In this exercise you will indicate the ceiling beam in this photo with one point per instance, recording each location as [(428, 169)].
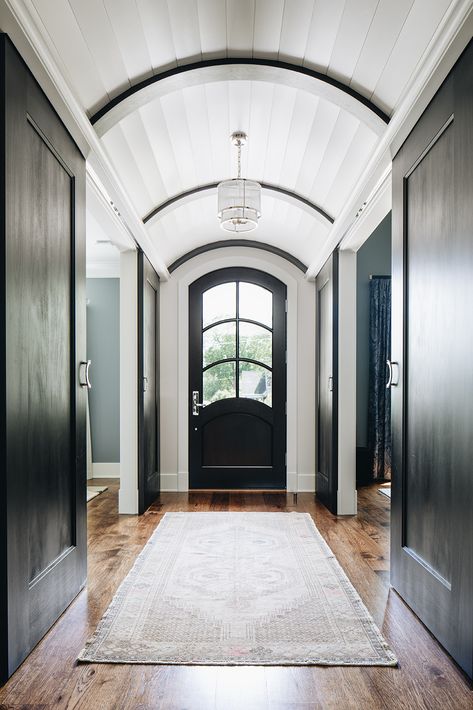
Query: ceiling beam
[(225, 243), (239, 69), (196, 191)]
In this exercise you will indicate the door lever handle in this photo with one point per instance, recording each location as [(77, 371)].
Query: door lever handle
[(86, 381), (195, 403), (330, 384), (392, 381)]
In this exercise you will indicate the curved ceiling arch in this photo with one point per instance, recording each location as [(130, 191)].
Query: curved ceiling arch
[(224, 244), (238, 69), (195, 192)]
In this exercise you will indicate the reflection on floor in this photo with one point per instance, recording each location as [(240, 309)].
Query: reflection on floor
[(52, 678)]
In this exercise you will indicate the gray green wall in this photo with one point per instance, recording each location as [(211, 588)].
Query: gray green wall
[(374, 257), (103, 349)]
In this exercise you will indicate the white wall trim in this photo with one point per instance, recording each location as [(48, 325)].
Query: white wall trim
[(106, 470), (169, 482), (300, 360), (371, 214), (128, 496), (346, 496)]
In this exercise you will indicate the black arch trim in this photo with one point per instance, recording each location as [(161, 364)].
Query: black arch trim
[(238, 60), (213, 185), (237, 243)]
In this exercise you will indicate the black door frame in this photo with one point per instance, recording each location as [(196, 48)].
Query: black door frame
[(273, 284)]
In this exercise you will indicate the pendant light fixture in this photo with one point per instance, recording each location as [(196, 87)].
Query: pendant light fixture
[(239, 200)]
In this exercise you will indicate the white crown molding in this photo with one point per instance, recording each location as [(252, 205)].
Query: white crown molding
[(370, 214), (118, 232), (450, 38), (29, 22)]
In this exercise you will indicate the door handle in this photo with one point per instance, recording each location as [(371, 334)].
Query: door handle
[(392, 381), (195, 403), (145, 384), (330, 384), (85, 364)]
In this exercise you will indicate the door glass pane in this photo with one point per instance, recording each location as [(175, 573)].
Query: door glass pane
[(219, 343), (256, 303), (219, 382), (256, 343), (219, 303), (255, 382)]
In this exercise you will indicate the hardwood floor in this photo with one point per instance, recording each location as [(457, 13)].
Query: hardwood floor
[(51, 677)]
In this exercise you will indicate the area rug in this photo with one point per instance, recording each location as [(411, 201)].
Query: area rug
[(94, 491), (237, 589)]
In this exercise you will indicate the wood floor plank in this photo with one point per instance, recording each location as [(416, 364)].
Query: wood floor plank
[(427, 678)]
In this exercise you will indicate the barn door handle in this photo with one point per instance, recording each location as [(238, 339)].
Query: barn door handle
[(86, 381), (145, 384), (391, 381), (195, 403), (330, 384)]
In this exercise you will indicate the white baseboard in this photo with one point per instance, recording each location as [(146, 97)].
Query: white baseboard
[(128, 501), (306, 483), (169, 482), (347, 505), (106, 470)]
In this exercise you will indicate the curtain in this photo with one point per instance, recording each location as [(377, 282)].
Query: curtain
[(379, 398)]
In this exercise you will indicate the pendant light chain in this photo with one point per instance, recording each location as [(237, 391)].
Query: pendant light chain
[(239, 159)]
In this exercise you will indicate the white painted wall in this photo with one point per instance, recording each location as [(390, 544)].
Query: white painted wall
[(301, 401)]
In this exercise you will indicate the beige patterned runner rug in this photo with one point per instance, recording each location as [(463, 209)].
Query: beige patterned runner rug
[(237, 589)]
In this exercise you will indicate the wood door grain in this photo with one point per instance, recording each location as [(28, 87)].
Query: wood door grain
[(432, 488), (148, 388), (327, 383), (43, 342)]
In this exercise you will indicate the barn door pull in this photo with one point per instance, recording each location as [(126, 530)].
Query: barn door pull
[(392, 381), (86, 381), (330, 384)]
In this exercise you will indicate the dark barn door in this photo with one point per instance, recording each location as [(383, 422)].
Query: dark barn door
[(237, 380), (148, 387), (327, 383), (432, 346), (43, 479)]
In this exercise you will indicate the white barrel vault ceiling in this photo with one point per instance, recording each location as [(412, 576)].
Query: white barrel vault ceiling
[(304, 136)]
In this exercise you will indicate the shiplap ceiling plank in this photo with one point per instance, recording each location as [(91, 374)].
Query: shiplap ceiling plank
[(325, 120), (213, 28), (126, 24), (416, 32), (284, 99), (123, 158), (199, 129), (303, 115), (61, 25), (354, 26), (155, 125), (322, 33), (178, 131), (240, 27), (267, 32), (260, 120), (217, 106), (239, 95), (184, 20), (383, 33), (295, 30), (340, 141), (97, 31), (156, 25)]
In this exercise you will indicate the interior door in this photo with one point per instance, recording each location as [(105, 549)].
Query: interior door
[(148, 387), (327, 381), (237, 380), (43, 425), (432, 393)]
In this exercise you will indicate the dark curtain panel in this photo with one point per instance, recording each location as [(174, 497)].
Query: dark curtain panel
[(379, 401)]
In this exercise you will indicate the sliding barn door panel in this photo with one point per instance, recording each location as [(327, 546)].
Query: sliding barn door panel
[(44, 405), (327, 384), (432, 532)]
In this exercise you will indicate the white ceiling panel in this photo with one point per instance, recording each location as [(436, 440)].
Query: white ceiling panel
[(185, 30), (212, 28), (240, 27), (267, 31), (295, 30), (157, 33), (322, 33)]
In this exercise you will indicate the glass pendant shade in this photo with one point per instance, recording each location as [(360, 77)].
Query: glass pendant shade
[(239, 205)]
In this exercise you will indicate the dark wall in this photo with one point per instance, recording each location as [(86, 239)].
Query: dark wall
[(103, 349), (374, 257)]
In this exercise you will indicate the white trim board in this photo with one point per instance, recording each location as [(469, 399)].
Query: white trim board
[(301, 403), (105, 470)]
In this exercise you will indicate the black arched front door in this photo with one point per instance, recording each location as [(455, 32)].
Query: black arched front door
[(237, 380)]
